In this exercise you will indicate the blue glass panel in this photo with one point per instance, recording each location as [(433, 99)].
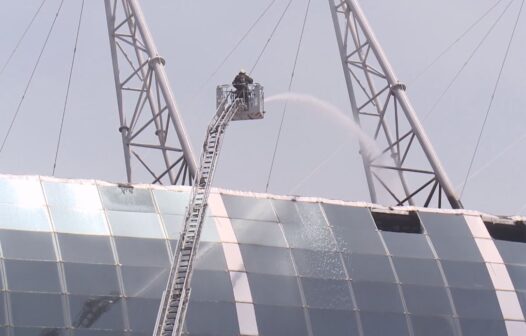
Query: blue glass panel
[(142, 313), (333, 322), (142, 252), (172, 202), (478, 327), (86, 249), (32, 276), (211, 286), (27, 245), (466, 274), (383, 324), (269, 260), (426, 300), (24, 218), (221, 319), (349, 217), (329, 294), (368, 267), (72, 195), (90, 222), (274, 289), (512, 252), (91, 279), (249, 208), (445, 224), (476, 303), (407, 245), (258, 232), (39, 331), (2, 309), (126, 199), (280, 321), (142, 281), (377, 296), (518, 276), (99, 312), (418, 271), (37, 310), (318, 264), (456, 248), (434, 326), (358, 241)]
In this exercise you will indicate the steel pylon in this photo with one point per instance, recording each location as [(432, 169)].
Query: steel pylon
[(151, 127), (404, 167)]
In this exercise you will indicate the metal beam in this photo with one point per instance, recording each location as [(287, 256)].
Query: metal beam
[(386, 114), (148, 115)]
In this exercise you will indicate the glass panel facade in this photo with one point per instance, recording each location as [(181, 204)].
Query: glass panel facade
[(21, 276), (89, 222)]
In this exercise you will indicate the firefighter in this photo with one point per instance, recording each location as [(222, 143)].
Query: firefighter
[(241, 82)]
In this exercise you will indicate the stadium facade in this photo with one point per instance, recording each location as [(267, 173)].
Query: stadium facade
[(90, 258)]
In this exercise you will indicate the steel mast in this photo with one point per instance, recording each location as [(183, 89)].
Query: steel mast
[(152, 130), (382, 108)]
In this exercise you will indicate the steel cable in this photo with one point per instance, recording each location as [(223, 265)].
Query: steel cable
[(66, 99)]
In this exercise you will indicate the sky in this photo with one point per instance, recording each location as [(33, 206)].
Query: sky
[(317, 155)]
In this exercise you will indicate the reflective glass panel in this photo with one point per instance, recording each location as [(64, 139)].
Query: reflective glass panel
[(211, 286), (27, 245), (512, 252), (220, 317), (25, 191), (72, 195), (286, 211), (91, 279), (358, 241), (522, 300), (476, 303), (329, 294), (318, 264), (349, 216), (249, 208), (369, 267), (2, 309), (210, 256), (382, 324), (445, 224), (32, 276), (407, 245), (142, 313), (142, 252), (86, 249), (269, 260), (99, 312), (466, 274), (171, 202), (418, 271), (274, 289), (23, 218), (135, 224), (280, 321), (518, 276), (474, 327), (259, 233), (173, 225), (126, 199), (141, 281), (433, 325), (333, 322), (377, 296), (426, 300), (209, 232), (96, 332), (456, 248), (37, 310), (39, 332), (79, 221)]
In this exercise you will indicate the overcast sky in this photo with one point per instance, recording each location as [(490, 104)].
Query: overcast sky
[(194, 36)]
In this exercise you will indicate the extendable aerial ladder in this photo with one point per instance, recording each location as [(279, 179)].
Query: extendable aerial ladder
[(174, 302)]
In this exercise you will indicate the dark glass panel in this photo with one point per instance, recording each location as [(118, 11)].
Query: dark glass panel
[(211, 286), (286, 211), (142, 281), (126, 199), (37, 310), (258, 232), (368, 267), (318, 264), (249, 208), (98, 312), (142, 252), (466, 274), (512, 252), (476, 303), (418, 271), (32, 276), (270, 260), (518, 276), (91, 279), (445, 224), (349, 217), (471, 327), (333, 322), (86, 249), (456, 248), (27, 245), (210, 256), (522, 300), (358, 241), (397, 222), (2, 308), (377, 296), (382, 324), (220, 317), (407, 245), (142, 313), (426, 300), (434, 326), (92, 332), (274, 289), (39, 332), (171, 202), (330, 294), (280, 321)]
